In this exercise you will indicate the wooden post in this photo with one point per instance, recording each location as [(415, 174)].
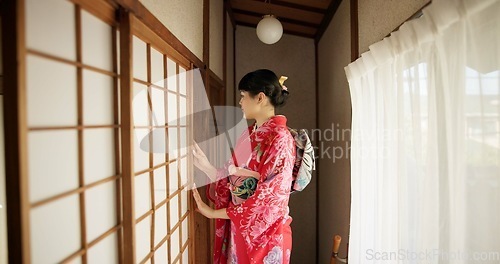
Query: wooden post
[(127, 133), (15, 125)]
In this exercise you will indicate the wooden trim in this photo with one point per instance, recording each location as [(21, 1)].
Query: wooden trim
[(73, 192), (332, 9), (70, 62), (79, 92), (77, 127), (116, 138), (354, 30), (15, 132), (127, 133), (1, 84), (101, 9), (191, 223)]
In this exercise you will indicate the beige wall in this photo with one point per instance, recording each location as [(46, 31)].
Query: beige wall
[(216, 37), (184, 18), (334, 53), (292, 56), (378, 18)]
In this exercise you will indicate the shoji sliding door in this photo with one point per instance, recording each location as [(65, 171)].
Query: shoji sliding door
[(73, 166), (78, 184), (160, 105)]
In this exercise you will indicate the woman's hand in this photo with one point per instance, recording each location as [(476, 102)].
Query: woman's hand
[(202, 163), (206, 210), (203, 208)]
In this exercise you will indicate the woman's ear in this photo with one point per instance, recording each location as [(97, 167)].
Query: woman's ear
[(261, 97)]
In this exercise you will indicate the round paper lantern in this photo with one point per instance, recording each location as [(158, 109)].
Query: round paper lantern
[(269, 29)]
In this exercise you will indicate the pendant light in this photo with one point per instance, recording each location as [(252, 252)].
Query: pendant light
[(269, 30)]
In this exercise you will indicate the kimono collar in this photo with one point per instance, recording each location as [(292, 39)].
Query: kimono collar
[(274, 121)]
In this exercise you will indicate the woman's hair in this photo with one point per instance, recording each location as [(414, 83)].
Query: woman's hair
[(265, 81)]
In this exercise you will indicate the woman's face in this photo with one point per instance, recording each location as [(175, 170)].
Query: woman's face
[(250, 105)]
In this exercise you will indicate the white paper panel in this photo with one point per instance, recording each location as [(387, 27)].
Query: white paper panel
[(172, 75), (141, 155), (172, 109), (174, 211), (183, 139), (51, 93), (99, 148), (185, 256), (160, 224), (161, 255), (185, 230), (182, 111), (140, 105), (96, 42), (172, 143), (53, 163), (184, 202), (55, 230), (182, 80), (100, 209), (159, 146), (97, 98), (142, 194), (158, 99), (157, 72), (143, 238), (140, 59), (183, 169), (173, 178), (50, 27), (160, 184), (106, 251), (174, 244)]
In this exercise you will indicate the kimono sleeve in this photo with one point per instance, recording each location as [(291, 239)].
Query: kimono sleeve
[(261, 215)]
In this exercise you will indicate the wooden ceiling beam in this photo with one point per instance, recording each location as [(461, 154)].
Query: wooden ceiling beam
[(302, 5), (320, 4), (277, 10), (287, 20)]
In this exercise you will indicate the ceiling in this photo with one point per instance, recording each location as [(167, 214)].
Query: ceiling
[(306, 18)]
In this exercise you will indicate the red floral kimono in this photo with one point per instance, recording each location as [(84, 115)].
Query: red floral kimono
[(258, 230)]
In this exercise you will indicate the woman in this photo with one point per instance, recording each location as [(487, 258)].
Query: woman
[(252, 190)]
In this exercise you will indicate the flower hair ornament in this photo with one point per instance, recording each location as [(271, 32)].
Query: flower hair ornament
[(282, 80)]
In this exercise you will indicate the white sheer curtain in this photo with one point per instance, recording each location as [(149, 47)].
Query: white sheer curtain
[(426, 142)]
